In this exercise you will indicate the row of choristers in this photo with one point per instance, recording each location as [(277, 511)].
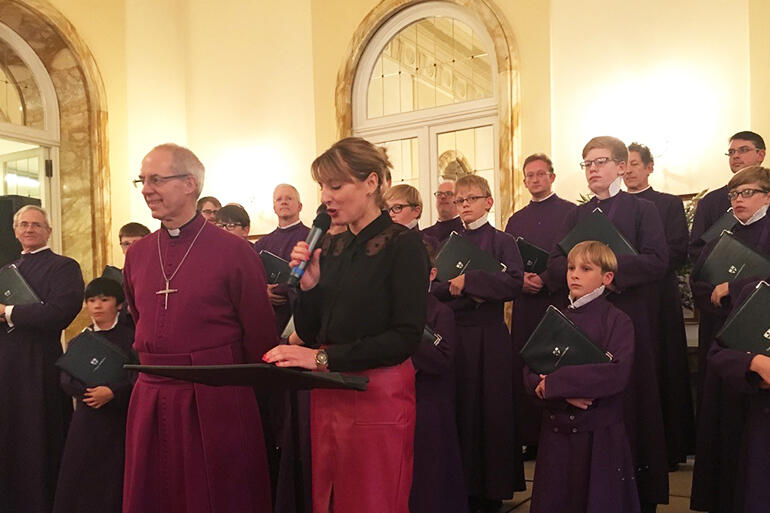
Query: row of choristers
[(605, 435)]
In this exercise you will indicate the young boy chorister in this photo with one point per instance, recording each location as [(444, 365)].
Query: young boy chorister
[(91, 475), (584, 460), (493, 469), (438, 485), (723, 408), (747, 374), (634, 291)]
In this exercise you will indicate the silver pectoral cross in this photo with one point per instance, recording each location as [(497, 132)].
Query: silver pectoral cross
[(166, 291)]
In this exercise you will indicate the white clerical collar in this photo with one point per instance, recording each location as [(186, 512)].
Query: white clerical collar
[(173, 232), (577, 303), (539, 200), (97, 328), (759, 214), (412, 224), (38, 250), (478, 223), (295, 223), (637, 192)]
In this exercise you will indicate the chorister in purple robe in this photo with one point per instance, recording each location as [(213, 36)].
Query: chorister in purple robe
[(676, 398), (91, 477), (637, 277), (443, 229), (721, 408), (280, 242), (584, 461), (438, 485), (429, 239), (710, 208), (34, 412), (191, 447), (538, 223), (483, 362), (748, 481)]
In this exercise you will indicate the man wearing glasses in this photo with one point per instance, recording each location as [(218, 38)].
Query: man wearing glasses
[(537, 223), (448, 219), (198, 297), (746, 149), (34, 412)]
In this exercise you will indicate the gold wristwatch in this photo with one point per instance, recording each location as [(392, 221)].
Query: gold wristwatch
[(322, 359)]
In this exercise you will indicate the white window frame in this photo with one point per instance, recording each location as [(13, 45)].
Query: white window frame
[(48, 138), (425, 124)]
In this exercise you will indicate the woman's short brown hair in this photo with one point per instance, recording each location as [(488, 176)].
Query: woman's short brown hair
[(596, 253), (351, 158), (752, 174)]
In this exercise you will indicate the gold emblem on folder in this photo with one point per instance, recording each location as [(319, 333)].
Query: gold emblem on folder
[(732, 269), (767, 334)]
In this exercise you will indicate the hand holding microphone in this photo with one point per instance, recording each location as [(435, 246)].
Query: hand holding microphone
[(304, 256)]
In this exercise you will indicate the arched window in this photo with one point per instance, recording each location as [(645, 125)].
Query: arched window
[(29, 127), (426, 88)]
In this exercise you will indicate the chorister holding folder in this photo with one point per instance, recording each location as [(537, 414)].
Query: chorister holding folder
[(731, 259), (276, 268), (726, 222), (597, 226), (584, 457), (535, 258), (740, 363), (458, 256), (14, 290)]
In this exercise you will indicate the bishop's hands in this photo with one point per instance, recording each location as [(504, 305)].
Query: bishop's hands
[(312, 274)]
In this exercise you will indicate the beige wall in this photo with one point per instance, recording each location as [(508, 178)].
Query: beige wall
[(672, 75), (759, 39)]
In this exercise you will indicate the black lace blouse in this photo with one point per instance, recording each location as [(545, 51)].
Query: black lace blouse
[(370, 305)]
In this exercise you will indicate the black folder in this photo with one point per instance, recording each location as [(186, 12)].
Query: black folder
[(14, 289), (261, 375), (748, 328), (731, 259), (726, 222), (557, 342), (534, 257), (276, 268), (113, 273), (428, 335), (597, 226), (94, 360), (459, 256)]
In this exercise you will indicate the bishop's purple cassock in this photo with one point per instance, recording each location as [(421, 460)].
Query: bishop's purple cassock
[(722, 409), (538, 223), (742, 486), (443, 229), (676, 399), (710, 208), (483, 362), (584, 461), (91, 477), (34, 412), (190, 447), (637, 277), (280, 242)]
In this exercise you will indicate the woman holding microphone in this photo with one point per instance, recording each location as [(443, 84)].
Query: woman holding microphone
[(362, 302)]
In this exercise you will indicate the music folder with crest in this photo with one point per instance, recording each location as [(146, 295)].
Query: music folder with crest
[(113, 273), (557, 342), (726, 222), (459, 256), (534, 257), (748, 327), (731, 259), (276, 268), (597, 226), (94, 360), (14, 289)]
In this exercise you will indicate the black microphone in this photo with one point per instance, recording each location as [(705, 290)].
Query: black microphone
[(320, 225)]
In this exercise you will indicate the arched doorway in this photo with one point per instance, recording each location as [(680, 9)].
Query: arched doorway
[(490, 116)]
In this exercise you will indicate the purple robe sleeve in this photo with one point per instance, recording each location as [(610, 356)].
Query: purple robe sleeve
[(652, 261), (248, 293), (701, 290), (593, 381), (500, 286), (71, 386), (60, 306), (437, 359), (733, 367)]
